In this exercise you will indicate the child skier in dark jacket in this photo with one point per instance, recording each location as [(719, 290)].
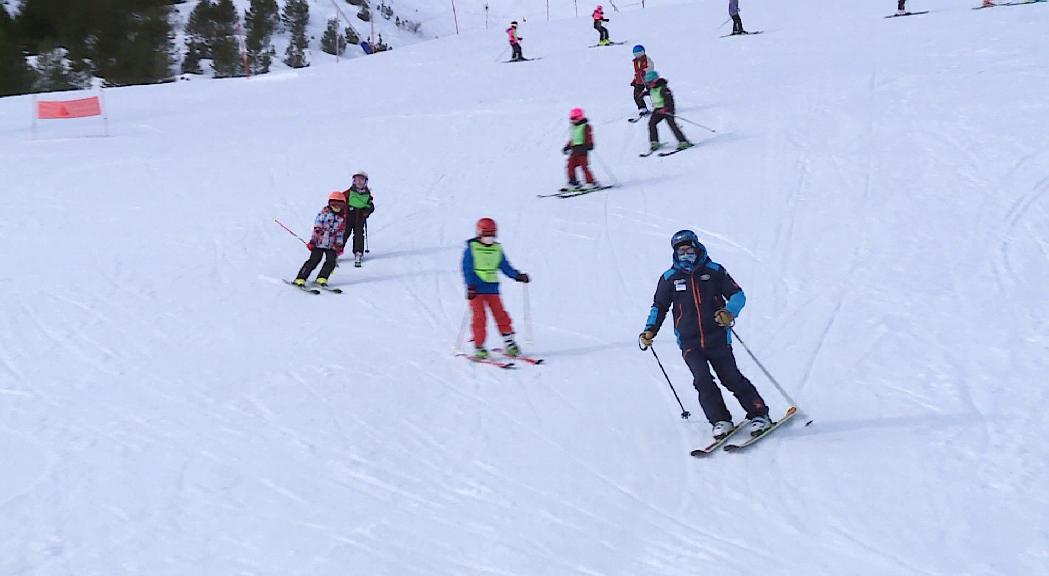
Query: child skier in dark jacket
[(663, 102), (362, 205), (579, 145)]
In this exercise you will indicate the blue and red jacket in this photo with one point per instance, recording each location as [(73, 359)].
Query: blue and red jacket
[(482, 264), (695, 296)]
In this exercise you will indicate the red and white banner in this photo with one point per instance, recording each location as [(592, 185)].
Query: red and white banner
[(80, 108)]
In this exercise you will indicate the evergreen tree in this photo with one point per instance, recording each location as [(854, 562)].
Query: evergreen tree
[(261, 20), (199, 31), (129, 41), (332, 42), (296, 16), (225, 47), (54, 72), (15, 76)]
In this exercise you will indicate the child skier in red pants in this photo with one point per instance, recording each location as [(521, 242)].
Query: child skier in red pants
[(579, 145), (482, 262)]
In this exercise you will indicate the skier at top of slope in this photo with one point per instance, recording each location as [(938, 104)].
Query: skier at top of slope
[(599, 17), (706, 302), (515, 42), (737, 22)]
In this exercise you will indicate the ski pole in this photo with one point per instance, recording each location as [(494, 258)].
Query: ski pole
[(366, 248), (527, 317), (683, 119), (760, 365), (606, 169), (684, 413), (462, 331), (281, 224)]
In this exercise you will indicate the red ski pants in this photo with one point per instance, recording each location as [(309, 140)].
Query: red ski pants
[(480, 320), (579, 161)]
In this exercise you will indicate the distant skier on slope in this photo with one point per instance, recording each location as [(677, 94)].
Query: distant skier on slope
[(329, 230), (515, 42), (362, 205), (483, 259), (737, 22), (642, 64), (663, 102), (580, 143), (599, 19), (706, 301)]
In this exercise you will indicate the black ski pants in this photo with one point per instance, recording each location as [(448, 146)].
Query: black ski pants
[(656, 118), (330, 257), (356, 224), (737, 24), (517, 52), (601, 30), (901, 5), (639, 97), (723, 362)]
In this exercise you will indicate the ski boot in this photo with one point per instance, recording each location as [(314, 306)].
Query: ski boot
[(722, 429), (901, 12), (300, 282), (358, 258), (604, 42), (321, 282), (655, 146), (642, 112), (684, 145), (592, 185), (511, 348), (575, 186), (759, 425), (481, 353)]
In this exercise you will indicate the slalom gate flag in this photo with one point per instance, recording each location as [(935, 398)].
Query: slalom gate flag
[(58, 109)]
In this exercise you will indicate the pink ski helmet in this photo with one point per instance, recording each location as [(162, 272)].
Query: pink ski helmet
[(575, 114)]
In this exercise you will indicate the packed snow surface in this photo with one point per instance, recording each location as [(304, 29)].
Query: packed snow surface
[(880, 188)]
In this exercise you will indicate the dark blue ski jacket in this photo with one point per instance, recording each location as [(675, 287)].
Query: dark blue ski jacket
[(695, 296)]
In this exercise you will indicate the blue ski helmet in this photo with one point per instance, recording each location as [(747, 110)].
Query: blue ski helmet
[(651, 76), (688, 238), (639, 49)]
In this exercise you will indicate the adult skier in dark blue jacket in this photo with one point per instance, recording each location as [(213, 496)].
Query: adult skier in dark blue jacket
[(706, 301)]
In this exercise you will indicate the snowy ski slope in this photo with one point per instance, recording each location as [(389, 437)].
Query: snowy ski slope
[(879, 187)]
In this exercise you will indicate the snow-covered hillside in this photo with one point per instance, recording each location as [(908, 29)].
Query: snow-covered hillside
[(879, 187)]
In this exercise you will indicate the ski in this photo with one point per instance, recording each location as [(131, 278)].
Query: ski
[(791, 412), (675, 151), (637, 119), (744, 33), (609, 44), (522, 60), (713, 446), (327, 288), (303, 288), (521, 357), (650, 152), (907, 14), (1010, 4), (573, 192), (490, 361)]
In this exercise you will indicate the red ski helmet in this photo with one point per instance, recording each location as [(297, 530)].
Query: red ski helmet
[(337, 197), (575, 114), (486, 227)]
